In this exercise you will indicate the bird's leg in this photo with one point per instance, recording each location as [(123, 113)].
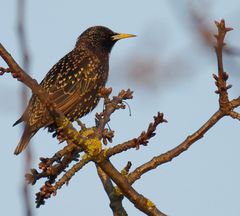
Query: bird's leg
[(56, 133)]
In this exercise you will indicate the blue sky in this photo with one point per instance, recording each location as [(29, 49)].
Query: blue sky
[(203, 180)]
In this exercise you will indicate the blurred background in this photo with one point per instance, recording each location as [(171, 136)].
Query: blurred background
[(169, 67)]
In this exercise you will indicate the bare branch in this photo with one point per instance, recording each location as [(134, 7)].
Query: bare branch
[(141, 140), (114, 197), (4, 70), (221, 79), (168, 156), (235, 115), (226, 108)]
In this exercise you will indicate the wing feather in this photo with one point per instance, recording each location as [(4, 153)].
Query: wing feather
[(67, 83)]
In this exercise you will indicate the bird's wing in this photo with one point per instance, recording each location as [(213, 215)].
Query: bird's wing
[(73, 85), (67, 83)]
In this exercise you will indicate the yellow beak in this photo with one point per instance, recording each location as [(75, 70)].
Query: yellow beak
[(119, 36)]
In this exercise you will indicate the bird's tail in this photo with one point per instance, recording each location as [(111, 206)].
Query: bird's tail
[(18, 121), (27, 135)]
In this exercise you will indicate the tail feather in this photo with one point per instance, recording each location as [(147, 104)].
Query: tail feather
[(18, 121), (27, 135)]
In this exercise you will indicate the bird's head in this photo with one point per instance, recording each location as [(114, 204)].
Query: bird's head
[(100, 38)]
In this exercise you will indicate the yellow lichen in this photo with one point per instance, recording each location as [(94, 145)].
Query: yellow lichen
[(117, 192), (85, 156), (93, 145), (150, 204), (64, 124), (105, 152), (87, 132), (124, 172)]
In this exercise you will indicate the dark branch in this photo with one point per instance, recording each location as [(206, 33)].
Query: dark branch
[(114, 197), (143, 139)]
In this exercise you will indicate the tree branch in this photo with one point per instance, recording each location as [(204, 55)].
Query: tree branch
[(171, 154), (225, 108), (114, 197), (142, 139)]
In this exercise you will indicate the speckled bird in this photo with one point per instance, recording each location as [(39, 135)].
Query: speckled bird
[(73, 82)]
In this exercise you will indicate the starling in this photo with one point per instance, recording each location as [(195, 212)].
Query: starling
[(73, 82)]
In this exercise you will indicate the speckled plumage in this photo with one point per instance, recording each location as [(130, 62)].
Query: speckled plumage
[(73, 82)]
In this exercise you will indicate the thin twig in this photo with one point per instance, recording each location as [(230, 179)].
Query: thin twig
[(171, 154), (221, 79), (235, 115), (143, 138)]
